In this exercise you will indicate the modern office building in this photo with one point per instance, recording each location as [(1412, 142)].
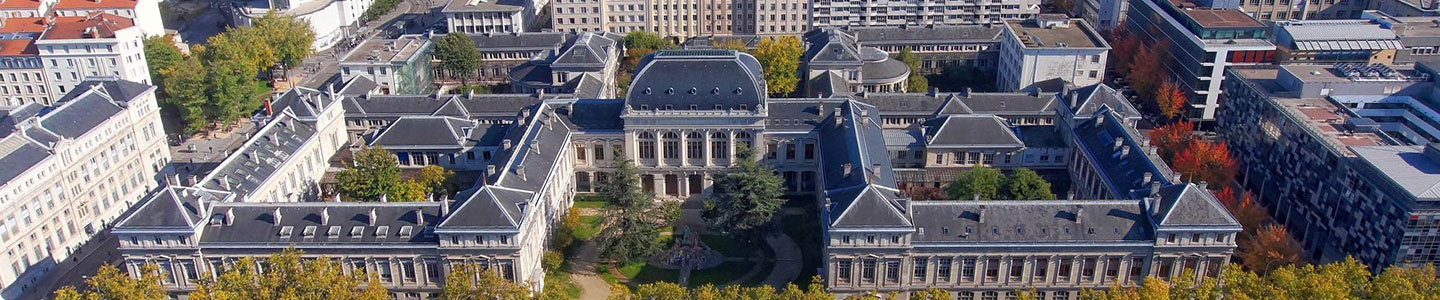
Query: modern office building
[(1334, 41), (1103, 14), (1420, 36), (68, 171), (682, 19), (396, 66), (892, 13), (1202, 43), (938, 46), (1050, 47), (332, 21), (1335, 154), (485, 16), (146, 13), (1281, 10)]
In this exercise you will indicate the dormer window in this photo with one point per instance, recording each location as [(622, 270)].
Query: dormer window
[(669, 107), (334, 232), (694, 107), (719, 107), (357, 231), (646, 91), (692, 91), (382, 231), (744, 107), (644, 107), (670, 91), (406, 231), (309, 231), (715, 91), (286, 231), (738, 90)]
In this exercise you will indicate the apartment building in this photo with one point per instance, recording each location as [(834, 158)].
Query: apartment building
[(1322, 147), (933, 12), (1048, 48), (68, 171), (396, 66), (21, 79), (74, 49), (333, 21), (485, 16), (1280, 10), (145, 13), (683, 19), (1334, 41), (26, 8), (1203, 42)]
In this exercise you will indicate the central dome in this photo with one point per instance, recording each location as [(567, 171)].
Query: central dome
[(697, 80)]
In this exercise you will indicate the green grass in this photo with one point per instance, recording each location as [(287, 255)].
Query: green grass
[(590, 204), (722, 274), (631, 269), (561, 280), (646, 273), (726, 246), (589, 226)]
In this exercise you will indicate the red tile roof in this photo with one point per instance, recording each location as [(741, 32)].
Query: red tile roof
[(18, 47), (19, 4), (95, 25), (13, 25), (89, 4)]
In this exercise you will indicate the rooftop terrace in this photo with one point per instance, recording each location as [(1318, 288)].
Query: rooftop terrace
[(388, 50), (1318, 116)]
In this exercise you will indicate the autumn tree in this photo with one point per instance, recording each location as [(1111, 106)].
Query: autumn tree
[(931, 294), (1147, 68), (730, 44), (917, 81), (671, 291), (1206, 161), (288, 36), (375, 172), (746, 198), (1244, 208), (1173, 137), (981, 182), (161, 54), (1170, 100), (184, 87), (780, 60), (286, 276), (435, 179), (458, 56), (1271, 247), (470, 281), (1123, 46), (640, 39), (109, 283)]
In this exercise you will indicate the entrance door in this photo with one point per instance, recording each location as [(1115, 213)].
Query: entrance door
[(672, 184), (697, 184)]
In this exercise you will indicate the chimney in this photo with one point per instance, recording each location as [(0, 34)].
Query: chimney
[(444, 207), (276, 214), (1100, 118), (1154, 205), (229, 216), (372, 217), (935, 92), (174, 179), (325, 216), (846, 166), (1154, 188), (505, 144), (982, 214), (1119, 141), (1203, 184), (192, 180), (1074, 100), (225, 182), (384, 198), (1124, 151), (419, 217), (1146, 177), (967, 92), (520, 170), (875, 168), (864, 113), (490, 170), (975, 197), (1079, 213)]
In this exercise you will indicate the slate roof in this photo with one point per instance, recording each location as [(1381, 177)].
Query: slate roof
[(797, 114), (1043, 136), (1187, 204), (1009, 103), (538, 140), (1031, 221), (256, 160), (593, 114), (855, 169), (586, 49), (537, 41), (88, 105), (18, 154), (305, 103), (427, 132), (361, 84), (533, 73), (704, 78), (883, 69), (1086, 101), (927, 35), (927, 104), (829, 84), (1124, 174), (970, 131), (587, 86), (474, 106), (256, 224), (491, 208), (830, 46), (174, 207)]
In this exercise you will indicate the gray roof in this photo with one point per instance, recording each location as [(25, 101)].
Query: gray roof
[(704, 78), (1190, 205), (586, 86), (1031, 221), (926, 104), (475, 106), (256, 224), (491, 208), (797, 114), (522, 170), (1408, 167), (586, 49), (90, 104), (533, 73), (484, 6), (255, 161), (830, 46), (305, 103), (970, 131), (1335, 35), (17, 155), (1124, 174), (884, 69), (1090, 99), (903, 138), (359, 85), (855, 169), (516, 41), (828, 84), (593, 114), (710, 41), (926, 35), (1008, 103), (425, 132), (1043, 136), (173, 207)]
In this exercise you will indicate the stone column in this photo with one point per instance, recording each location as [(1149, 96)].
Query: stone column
[(684, 149), (732, 145), (707, 149), (659, 181), (659, 149)]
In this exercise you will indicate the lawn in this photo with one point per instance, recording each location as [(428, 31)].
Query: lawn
[(726, 246), (589, 226), (590, 204), (561, 280), (642, 273), (805, 230), (722, 274)]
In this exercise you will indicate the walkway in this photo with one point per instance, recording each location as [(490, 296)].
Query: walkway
[(582, 272), (787, 259)]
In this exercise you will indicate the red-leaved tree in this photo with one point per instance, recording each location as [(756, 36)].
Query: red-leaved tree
[(1172, 137), (1269, 249), (1250, 215), (1122, 49), (1170, 99), (1147, 68), (1206, 161)]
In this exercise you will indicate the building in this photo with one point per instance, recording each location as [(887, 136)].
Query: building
[(938, 46), (1334, 41), (585, 67), (682, 19), (1203, 43), (501, 52), (333, 21), (70, 170), (1281, 10), (483, 16), (682, 121), (74, 49), (892, 13), (26, 8), (1334, 153), (836, 64), (1103, 14), (397, 66), (21, 79), (1420, 36), (146, 13), (1049, 47), (1406, 8), (288, 154)]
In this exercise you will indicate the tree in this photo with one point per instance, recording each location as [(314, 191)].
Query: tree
[(1025, 184), (243, 45), (661, 291), (378, 9), (1147, 68), (375, 173), (1244, 208), (458, 56), (286, 276), (435, 179), (917, 81), (161, 54), (407, 191), (232, 91), (747, 196), (1347, 279), (980, 182), (780, 59), (730, 44), (1123, 47), (1206, 161), (290, 37), (633, 220), (1271, 247), (112, 284), (185, 87), (1171, 138), (469, 281), (1170, 100), (931, 294), (640, 39)]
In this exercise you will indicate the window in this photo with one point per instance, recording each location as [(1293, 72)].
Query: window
[(672, 145), (647, 145), (1112, 268), (870, 239), (867, 270), (1042, 269), (920, 268), (942, 269), (694, 146), (599, 150), (1137, 269), (892, 270), (992, 269), (1062, 272), (1017, 268), (1087, 269), (843, 270)]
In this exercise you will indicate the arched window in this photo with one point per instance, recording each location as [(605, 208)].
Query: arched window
[(694, 146), (744, 138), (647, 145), (719, 146), (672, 145)]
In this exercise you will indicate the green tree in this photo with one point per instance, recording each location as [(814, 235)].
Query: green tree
[(378, 9), (633, 221), (917, 81), (408, 191), (458, 56), (435, 179), (469, 281), (160, 55), (730, 44), (185, 88), (981, 182), (1025, 184), (661, 291), (780, 60), (747, 196), (375, 173), (288, 36), (286, 276), (931, 294), (243, 45), (109, 283), (232, 91), (640, 39)]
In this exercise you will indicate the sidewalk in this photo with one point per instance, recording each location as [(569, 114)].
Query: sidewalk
[(100, 250)]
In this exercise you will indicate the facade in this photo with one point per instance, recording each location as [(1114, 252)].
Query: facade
[(1418, 35), (26, 8), (1334, 41), (836, 64), (501, 52), (1050, 47), (333, 21), (1406, 8), (74, 49), (146, 13), (396, 66), (682, 18), (1103, 14), (1321, 145), (1280, 10), (483, 16), (69, 171), (891, 13), (585, 66), (21, 71), (1203, 42), (938, 46)]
